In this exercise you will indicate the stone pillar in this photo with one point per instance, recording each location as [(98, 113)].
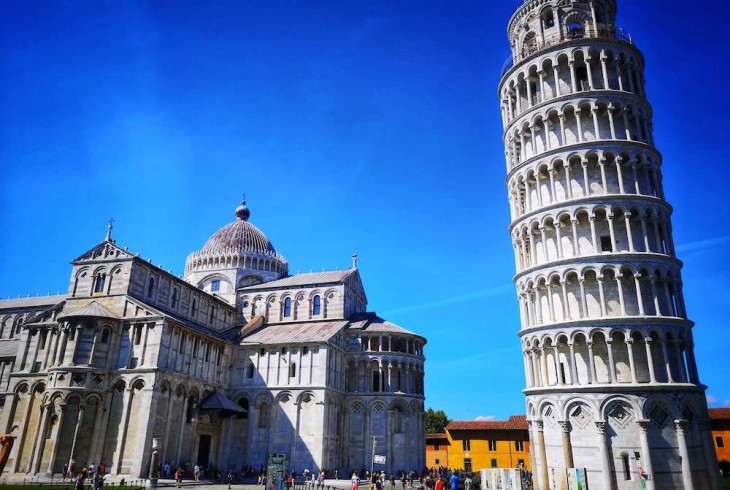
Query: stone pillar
[(56, 441), (544, 480), (604, 454), (567, 447), (646, 452), (681, 428), (72, 456)]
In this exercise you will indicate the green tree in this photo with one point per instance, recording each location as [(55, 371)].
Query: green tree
[(436, 421)]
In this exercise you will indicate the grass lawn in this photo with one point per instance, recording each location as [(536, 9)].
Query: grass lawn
[(62, 486)]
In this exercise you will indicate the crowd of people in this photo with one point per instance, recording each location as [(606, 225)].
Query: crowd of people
[(79, 477)]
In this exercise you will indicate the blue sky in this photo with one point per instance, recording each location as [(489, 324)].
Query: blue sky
[(369, 127)]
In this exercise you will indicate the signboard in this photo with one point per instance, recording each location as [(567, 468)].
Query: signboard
[(276, 465), (377, 459)]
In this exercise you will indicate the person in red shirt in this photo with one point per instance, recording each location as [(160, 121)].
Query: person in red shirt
[(440, 484)]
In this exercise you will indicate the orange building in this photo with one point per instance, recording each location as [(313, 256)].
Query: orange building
[(478, 444), (437, 450), (720, 426)]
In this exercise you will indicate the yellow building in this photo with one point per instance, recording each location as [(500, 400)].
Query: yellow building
[(720, 426), (478, 444), (437, 450)]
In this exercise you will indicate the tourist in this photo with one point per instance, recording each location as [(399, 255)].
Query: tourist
[(440, 484), (467, 482), (355, 480), (98, 481), (92, 469), (178, 477), (454, 481), (64, 472), (230, 478), (101, 469), (196, 472), (79, 483)]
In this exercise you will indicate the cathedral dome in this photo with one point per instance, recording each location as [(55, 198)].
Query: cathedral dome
[(241, 247), (239, 236)]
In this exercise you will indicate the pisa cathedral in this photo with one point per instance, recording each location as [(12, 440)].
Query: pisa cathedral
[(612, 383), (234, 362)]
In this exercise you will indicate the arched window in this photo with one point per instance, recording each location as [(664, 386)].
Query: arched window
[(192, 405), (194, 308), (250, 370), (293, 370), (174, 298), (99, 283), (316, 305), (264, 415), (575, 29), (150, 287), (625, 465), (287, 307), (253, 308), (243, 403), (105, 336)]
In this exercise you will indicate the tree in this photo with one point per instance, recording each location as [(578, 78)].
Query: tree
[(436, 421)]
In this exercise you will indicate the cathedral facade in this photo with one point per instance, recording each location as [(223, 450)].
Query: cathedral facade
[(613, 391), (236, 361)]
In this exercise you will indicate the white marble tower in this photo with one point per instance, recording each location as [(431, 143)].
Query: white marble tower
[(612, 384)]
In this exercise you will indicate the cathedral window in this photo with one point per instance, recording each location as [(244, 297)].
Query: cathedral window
[(137, 334), (287, 307), (250, 370), (194, 308), (215, 285), (625, 465), (243, 403), (195, 347), (174, 298), (284, 350), (105, 336), (316, 305), (150, 287), (262, 352), (182, 343), (263, 415), (305, 350), (42, 340), (293, 370), (606, 244), (376, 380), (207, 352), (99, 283), (212, 314)]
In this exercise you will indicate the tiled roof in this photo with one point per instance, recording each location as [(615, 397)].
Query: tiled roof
[(285, 333), (515, 422), (436, 437), (720, 413), (93, 309), (33, 301), (372, 323), (308, 279)]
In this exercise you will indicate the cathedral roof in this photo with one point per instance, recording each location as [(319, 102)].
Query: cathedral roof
[(307, 279), (239, 236), (31, 301), (93, 309), (287, 333)]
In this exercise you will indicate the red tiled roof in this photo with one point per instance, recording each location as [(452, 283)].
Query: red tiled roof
[(720, 413), (437, 436), (515, 422)]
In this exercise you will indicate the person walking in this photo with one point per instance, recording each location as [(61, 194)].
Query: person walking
[(454, 481), (440, 484), (355, 480), (178, 477), (196, 472), (467, 482), (230, 478)]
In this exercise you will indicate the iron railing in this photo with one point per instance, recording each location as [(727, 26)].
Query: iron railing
[(604, 31)]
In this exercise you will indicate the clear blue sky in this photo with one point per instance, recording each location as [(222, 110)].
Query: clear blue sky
[(353, 126)]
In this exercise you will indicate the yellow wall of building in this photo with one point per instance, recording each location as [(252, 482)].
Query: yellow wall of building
[(506, 454)]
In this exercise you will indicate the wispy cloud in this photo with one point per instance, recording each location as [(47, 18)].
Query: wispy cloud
[(702, 244), (711, 399), (461, 298), (485, 417), (726, 404)]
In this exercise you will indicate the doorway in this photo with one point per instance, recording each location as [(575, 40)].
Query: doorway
[(204, 450)]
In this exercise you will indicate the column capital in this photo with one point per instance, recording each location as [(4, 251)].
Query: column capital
[(643, 425), (564, 425), (540, 425), (601, 427), (681, 425)]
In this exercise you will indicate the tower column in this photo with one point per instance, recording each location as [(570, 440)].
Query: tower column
[(681, 427)]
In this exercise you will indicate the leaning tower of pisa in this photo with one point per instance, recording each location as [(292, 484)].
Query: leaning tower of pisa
[(612, 384)]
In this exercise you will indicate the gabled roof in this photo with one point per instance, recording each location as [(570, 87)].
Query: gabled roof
[(106, 250), (440, 436), (31, 302), (720, 413), (286, 333), (515, 422), (217, 401), (307, 279), (92, 309)]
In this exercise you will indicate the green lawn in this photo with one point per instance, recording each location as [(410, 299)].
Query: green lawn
[(62, 486)]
